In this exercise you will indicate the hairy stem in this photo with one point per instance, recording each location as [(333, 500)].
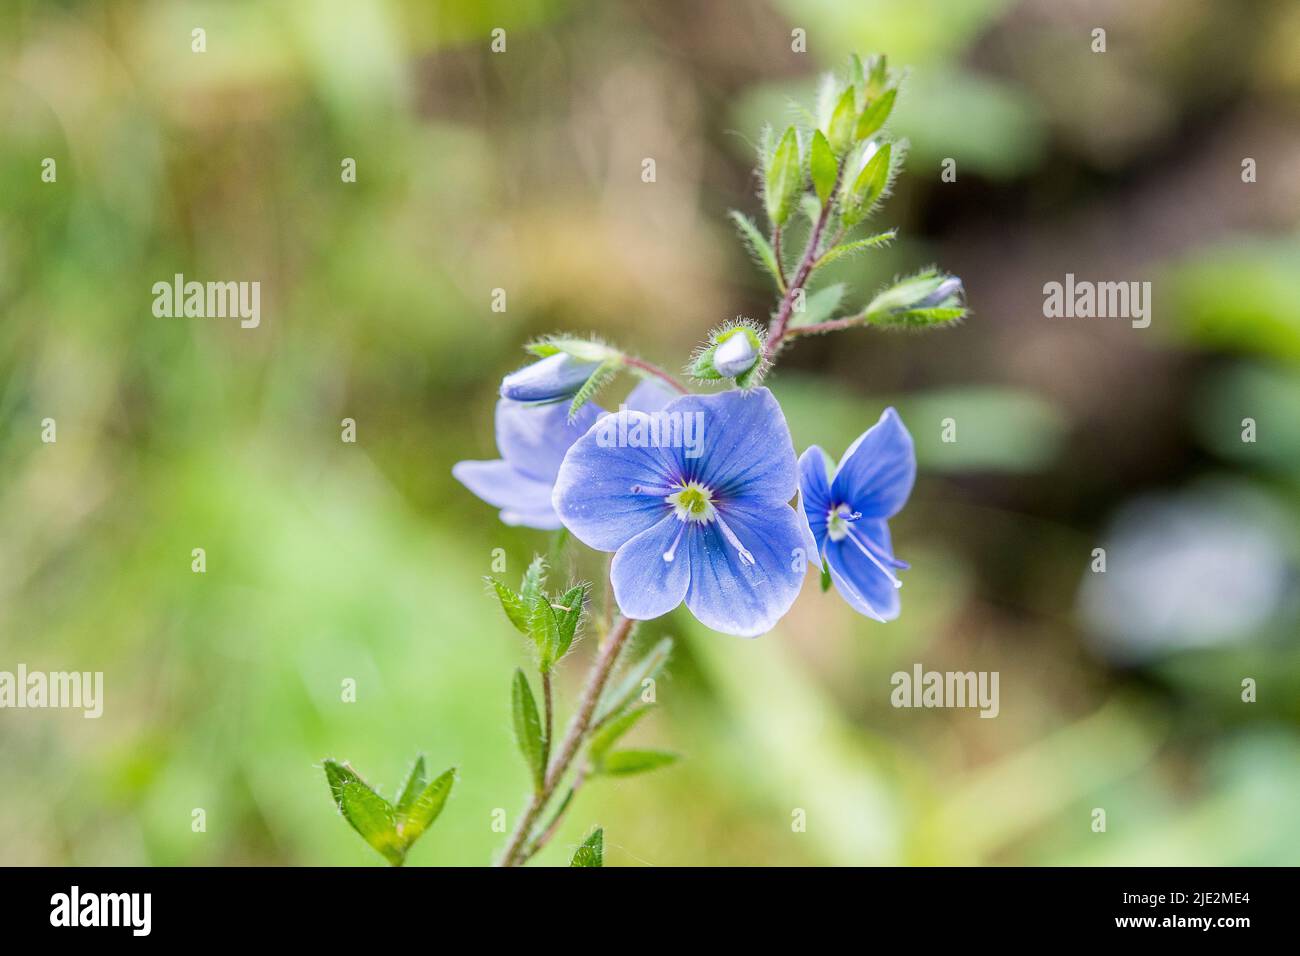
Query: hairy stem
[(573, 739), (655, 370), (776, 254), (557, 818), (548, 706), (776, 332), (834, 325)]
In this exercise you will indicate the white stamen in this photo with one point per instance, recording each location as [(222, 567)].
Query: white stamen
[(732, 540), (672, 550), (872, 558)]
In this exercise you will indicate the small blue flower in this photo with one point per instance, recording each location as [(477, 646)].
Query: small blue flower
[(552, 379), (847, 513), (716, 531), (532, 440)]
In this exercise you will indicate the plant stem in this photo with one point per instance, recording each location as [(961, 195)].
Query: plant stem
[(652, 369), (777, 330), (556, 820), (834, 325), (548, 706), (573, 739), (776, 254)]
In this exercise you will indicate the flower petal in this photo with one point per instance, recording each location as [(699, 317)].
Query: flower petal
[(534, 438), (876, 474), (746, 446), (594, 491), (861, 583), (815, 492), (524, 500), (730, 595), (646, 585)]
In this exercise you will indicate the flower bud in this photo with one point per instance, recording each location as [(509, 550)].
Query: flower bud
[(736, 353), (552, 379)]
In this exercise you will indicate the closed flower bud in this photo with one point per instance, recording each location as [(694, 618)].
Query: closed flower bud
[(552, 379), (736, 353)]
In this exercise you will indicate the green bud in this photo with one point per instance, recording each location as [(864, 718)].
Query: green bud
[(839, 132), (875, 115), (823, 166), (869, 185)]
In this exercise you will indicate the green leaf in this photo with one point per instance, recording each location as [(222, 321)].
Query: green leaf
[(839, 133), (425, 808), (823, 166), (919, 318), (528, 727), (784, 179), (875, 115), (567, 621), (544, 627), (368, 813), (514, 606), (857, 76), (629, 688), (856, 246), (759, 248), (819, 306), (607, 736), (625, 763), (869, 186), (602, 376), (826, 576), (592, 851), (414, 784), (534, 581), (702, 366)]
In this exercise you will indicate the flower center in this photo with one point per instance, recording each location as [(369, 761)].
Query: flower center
[(838, 521), (693, 502)]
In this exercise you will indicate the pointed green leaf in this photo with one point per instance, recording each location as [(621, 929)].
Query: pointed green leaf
[(784, 179), (759, 248), (598, 379), (823, 166), (414, 784), (528, 726), (839, 133), (857, 75), (869, 185), (425, 808), (856, 246), (629, 688), (625, 763), (369, 814), (874, 116), (534, 581), (826, 576), (544, 627), (607, 736), (592, 851), (567, 621), (702, 366), (512, 604)]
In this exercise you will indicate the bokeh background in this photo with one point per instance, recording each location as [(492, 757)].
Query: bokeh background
[(522, 171)]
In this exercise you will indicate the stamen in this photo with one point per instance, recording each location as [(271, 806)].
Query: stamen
[(672, 550), (656, 490), (872, 558), (732, 540)]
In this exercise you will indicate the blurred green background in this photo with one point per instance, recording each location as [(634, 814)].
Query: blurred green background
[(522, 171)]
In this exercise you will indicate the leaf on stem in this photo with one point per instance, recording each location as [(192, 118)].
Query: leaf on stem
[(608, 735), (512, 603), (873, 118), (856, 246), (602, 376), (625, 763), (411, 789), (819, 306), (366, 811), (592, 851), (869, 186), (759, 248), (528, 727), (425, 808), (823, 167), (784, 179)]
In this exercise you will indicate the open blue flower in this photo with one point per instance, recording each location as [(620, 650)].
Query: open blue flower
[(532, 440), (714, 529), (847, 513)]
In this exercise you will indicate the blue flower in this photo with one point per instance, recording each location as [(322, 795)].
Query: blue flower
[(847, 513), (532, 440), (552, 379), (716, 530)]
